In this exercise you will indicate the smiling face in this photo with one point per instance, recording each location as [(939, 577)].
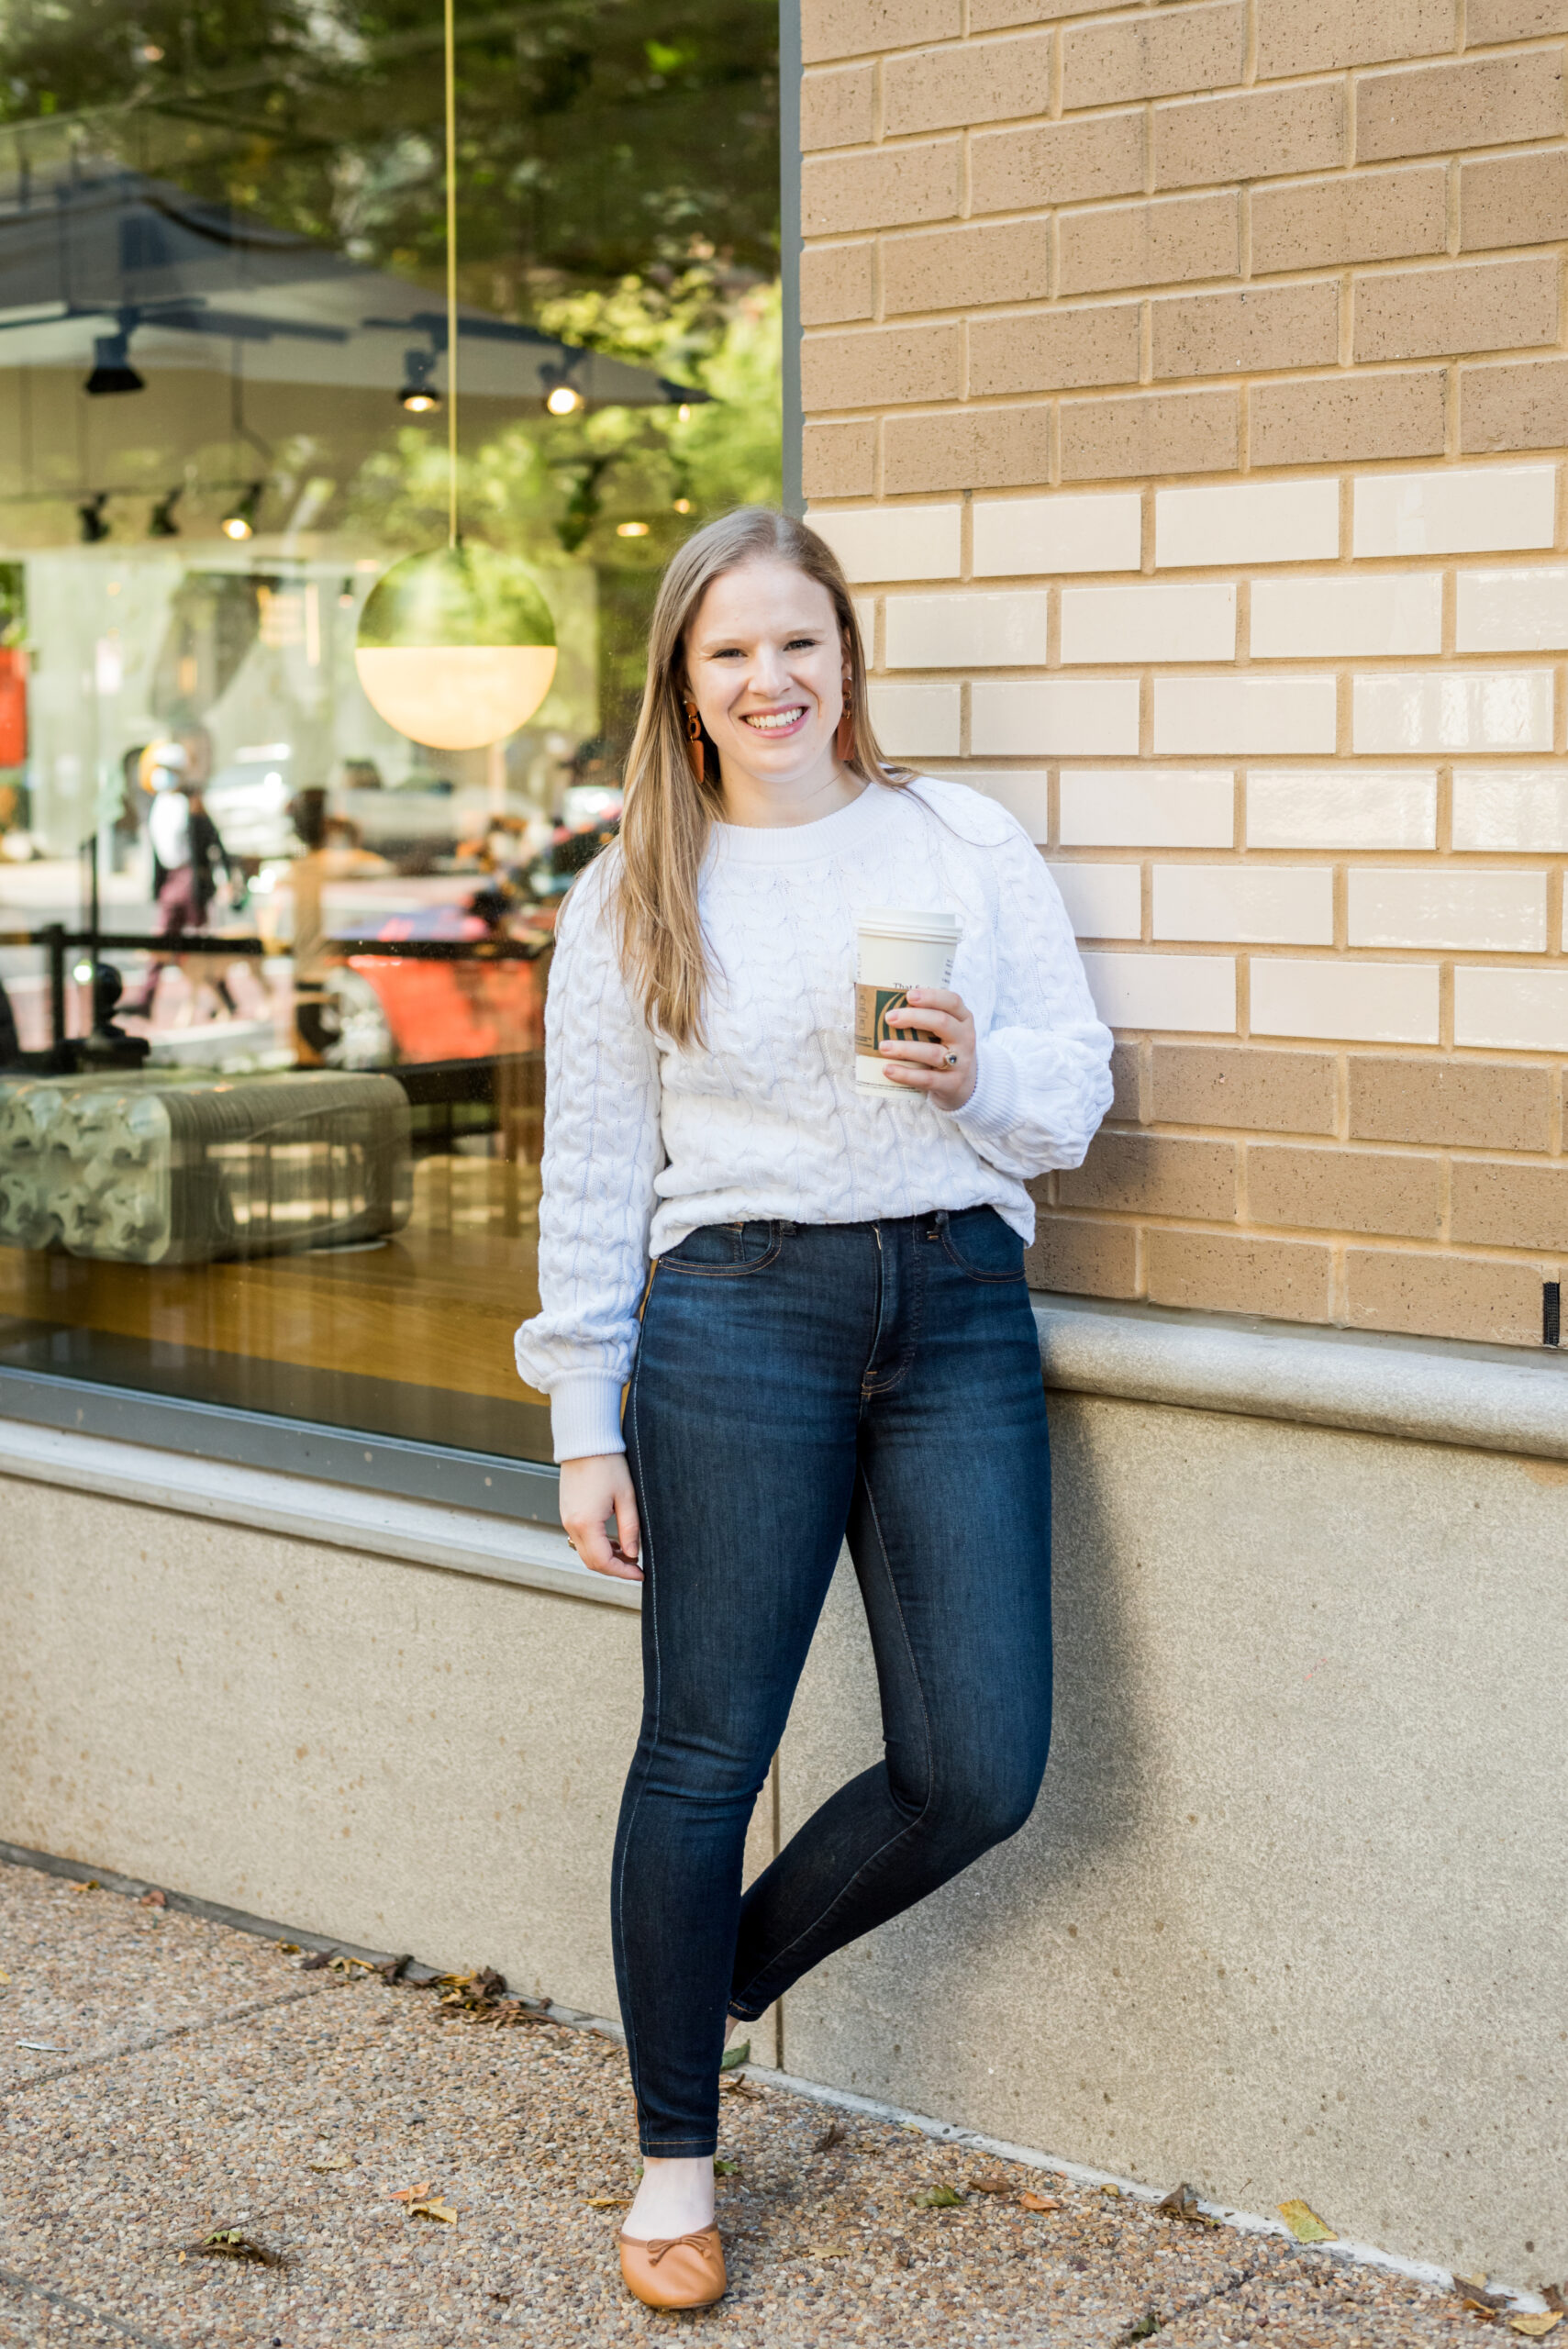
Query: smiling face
[(765, 666)]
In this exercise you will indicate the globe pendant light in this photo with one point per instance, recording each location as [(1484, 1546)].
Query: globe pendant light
[(456, 647)]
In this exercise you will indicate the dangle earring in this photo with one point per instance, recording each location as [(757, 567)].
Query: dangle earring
[(697, 748), (844, 739)]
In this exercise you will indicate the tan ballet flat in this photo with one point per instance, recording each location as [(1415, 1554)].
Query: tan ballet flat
[(679, 2272)]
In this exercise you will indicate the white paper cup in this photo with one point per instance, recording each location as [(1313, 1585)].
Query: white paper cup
[(898, 951)]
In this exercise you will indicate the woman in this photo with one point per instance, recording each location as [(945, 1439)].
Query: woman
[(835, 1338)]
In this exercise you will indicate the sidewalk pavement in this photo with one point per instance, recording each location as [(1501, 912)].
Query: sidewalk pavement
[(382, 2168)]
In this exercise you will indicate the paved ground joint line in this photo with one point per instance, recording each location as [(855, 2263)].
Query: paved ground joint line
[(79, 2307), (158, 2039)]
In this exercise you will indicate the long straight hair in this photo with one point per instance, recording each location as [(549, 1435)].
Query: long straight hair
[(669, 810)]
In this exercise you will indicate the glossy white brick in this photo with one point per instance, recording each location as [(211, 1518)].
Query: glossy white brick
[(1457, 510), (1373, 1003), (1076, 718), (1277, 521), (1246, 716), (1102, 901), (1511, 810), (1518, 1011), (1174, 994), (1021, 538), (1025, 796), (1266, 905), (1343, 807), (1512, 611), (1439, 906), (1392, 613), (967, 632), (917, 721), (893, 541), (1122, 624), (1145, 808), (1455, 709)]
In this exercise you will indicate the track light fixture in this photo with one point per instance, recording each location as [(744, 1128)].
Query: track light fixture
[(162, 523), (418, 395), (240, 522), (94, 529), (111, 370), (561, 395)]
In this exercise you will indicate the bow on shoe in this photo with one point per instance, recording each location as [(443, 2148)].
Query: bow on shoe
[(657, 2249)]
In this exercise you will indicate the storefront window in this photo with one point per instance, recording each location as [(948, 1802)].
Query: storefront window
[(294, 1168)]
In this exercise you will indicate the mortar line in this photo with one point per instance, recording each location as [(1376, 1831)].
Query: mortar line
[(157, 2039), (79, 2308)]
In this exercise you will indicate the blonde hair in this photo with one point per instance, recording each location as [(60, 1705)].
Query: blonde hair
[(664, 831)]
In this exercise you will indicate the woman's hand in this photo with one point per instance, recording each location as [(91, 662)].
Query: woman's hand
[(592, 1490), (946, 1070)]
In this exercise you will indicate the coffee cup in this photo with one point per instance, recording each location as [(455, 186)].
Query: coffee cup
[(896, 951)]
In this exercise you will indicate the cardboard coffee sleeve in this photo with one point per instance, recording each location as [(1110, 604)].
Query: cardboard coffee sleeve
[(896, 951)]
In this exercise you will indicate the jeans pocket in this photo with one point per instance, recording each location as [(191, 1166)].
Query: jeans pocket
[(724, 1251), (982, 1246)]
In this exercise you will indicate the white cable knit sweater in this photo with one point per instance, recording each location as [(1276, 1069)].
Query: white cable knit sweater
[(644, 1142)]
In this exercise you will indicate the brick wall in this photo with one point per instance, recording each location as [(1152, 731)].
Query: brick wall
[(1185, 390)]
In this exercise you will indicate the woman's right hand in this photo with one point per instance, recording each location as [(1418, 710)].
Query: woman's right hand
[(591, 1490)]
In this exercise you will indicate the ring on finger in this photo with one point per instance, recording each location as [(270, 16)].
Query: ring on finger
[(949, 1060), (570, 1544)]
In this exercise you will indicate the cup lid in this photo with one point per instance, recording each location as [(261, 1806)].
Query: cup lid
[(923, 922)]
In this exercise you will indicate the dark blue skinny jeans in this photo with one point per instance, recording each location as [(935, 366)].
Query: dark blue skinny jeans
[(795, 1384)]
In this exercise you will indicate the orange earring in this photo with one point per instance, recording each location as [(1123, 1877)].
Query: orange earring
[(844, 739), (697, 748)]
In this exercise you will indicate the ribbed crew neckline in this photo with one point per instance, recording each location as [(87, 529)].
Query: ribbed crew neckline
[(802, 844)]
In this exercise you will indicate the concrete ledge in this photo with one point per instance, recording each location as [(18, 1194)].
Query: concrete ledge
[(462, 1541), (1490, 1398)]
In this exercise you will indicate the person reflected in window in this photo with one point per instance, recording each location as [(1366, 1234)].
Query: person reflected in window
[(810, 1291), (186, 851)]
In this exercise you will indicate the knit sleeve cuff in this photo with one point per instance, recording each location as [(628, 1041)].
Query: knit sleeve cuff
[(991, 1111), (584, 1416)]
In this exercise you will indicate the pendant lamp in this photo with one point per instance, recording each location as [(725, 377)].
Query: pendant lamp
[(455, 648)]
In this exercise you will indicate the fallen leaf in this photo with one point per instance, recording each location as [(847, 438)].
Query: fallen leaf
[(41, 2047), (182, 2260), (827, 2251), (609, 2201), (289, 1949), (4, 1976), (1114, 2191), (737, 2083), (1039, 2202), (333, 2161), (393, 1968), (1478, 2296), (1536, 2328), (1555, 2298), (937, 2197), (1182, 2203), (229, 2242), (1146, 2325), (733, 2057), (1305, 2224), (91, 1884), (994, 2185), (724, 2168), (434, 2209), (834, 2134), (412, 2193), (314, 1963)]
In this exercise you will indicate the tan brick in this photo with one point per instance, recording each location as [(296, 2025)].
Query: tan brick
[(955, 268), (1357, 215), (990, 16), (881, 366), (1127, 1084), (1513, 20), (1226, 1273), (985, 81), (1261, 136), (1150, 244), (983, 448), (1514, 199), (1499, 1204), (897, 189), (1466, 306), (1321, 35), (1345, 1190), (1050, 350), (1264, 328), (1337, 419), (1461, 1104), (1076, 1255), (840, 459), (1057, 163), (1523, 404), (1159, 433), (1439, 1295), (839, 108), (1243, 1086), (1200, 47), (1153, 1174), (859, 27), (1483, 102), (837, 283)]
